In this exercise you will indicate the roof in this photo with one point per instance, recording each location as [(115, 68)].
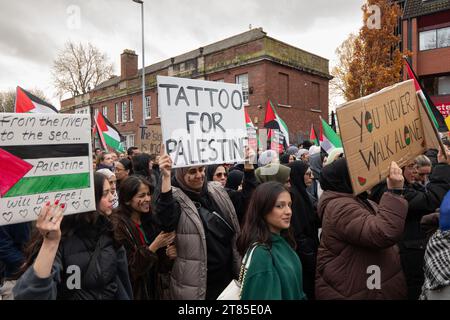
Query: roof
[(233, 41), (417, 8)]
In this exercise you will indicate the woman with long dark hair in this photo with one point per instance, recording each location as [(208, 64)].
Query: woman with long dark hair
[(82, 243), (148, 247), (275, 271)]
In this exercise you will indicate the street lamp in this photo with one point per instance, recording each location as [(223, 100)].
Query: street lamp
[(143, 126)]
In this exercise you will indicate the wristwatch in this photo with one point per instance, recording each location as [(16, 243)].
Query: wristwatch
[(398, 192)]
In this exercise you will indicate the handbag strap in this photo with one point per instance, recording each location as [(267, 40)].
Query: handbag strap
[(246, 262)]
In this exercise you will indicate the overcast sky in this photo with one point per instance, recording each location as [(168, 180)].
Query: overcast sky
[(31, 32)]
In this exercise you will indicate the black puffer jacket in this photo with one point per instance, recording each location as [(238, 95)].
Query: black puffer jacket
[(102, 266)]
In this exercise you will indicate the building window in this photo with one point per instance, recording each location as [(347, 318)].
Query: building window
[(432, 39), (243, 80), (443, 85), (116, 109), (105, 111), (148, 107), (443, 37), (124, 111), (95, 113), (129, 140), (131, 110), (437, 86)]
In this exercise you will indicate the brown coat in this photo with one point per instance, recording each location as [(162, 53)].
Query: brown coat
[(355, 237)]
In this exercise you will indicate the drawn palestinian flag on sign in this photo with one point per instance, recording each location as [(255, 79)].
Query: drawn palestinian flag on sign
[(37, 169)]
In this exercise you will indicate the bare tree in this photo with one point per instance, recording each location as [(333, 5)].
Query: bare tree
[(79, 68), (8, 98)]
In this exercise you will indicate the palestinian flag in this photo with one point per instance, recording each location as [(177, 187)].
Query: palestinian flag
[(329, 140), (109, 135), (248, 121), (273, 121), (37, 169), (436, 115), (313, 136), (29, 103)]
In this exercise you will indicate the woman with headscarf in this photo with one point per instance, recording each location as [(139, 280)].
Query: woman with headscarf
[(206, 229), (305, 224), (357, 256), (316, 164), (218, 173)]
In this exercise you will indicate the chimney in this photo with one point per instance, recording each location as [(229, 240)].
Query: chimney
[(128, 64)]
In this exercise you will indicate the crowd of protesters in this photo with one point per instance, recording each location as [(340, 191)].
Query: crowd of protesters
[(163, 233)]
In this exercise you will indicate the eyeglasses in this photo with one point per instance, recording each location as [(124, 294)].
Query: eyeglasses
[(221, 174)]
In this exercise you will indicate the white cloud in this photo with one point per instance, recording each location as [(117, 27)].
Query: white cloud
[(32, 31)]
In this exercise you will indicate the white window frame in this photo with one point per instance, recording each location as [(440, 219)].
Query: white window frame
[(245, 86), (123, 111), (128, 139), (96, 111), (117, 115), (131, 111), (105, 111), (148, 107)]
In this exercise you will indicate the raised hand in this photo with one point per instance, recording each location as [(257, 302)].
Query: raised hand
[(49, 221), (165, 162), (395, 180), (441, 156)]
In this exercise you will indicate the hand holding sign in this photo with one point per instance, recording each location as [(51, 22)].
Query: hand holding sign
[(165, 162), (395, 180), (250, 158), (442, 158), (165, 166)]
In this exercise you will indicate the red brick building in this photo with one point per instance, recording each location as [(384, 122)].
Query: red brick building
[(426, 33), (294, 80)]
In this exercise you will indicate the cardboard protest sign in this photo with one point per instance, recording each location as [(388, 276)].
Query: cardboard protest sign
[(202, 122), (151, 143), (44, 157), (375, 130)]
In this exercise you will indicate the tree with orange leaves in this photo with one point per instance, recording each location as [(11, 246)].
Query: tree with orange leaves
[(372, 60)]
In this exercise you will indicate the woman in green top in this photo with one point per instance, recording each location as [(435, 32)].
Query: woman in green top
[(275, 271)]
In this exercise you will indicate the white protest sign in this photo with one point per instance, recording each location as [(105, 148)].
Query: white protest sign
[(44, 157), (202, 122)]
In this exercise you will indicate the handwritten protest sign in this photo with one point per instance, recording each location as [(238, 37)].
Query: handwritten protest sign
[(44, 158), (375, 130), (152, 140), (202, 122)]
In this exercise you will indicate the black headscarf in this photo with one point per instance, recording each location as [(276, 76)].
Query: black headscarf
[(304, 215), (336, 177), (284, 159), (210, 171), (315, 162), (234, 179)]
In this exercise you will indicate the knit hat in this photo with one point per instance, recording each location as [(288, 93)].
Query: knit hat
[(300, 153), (334, 155), (314, 150), (273, 172), (444, 215)]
